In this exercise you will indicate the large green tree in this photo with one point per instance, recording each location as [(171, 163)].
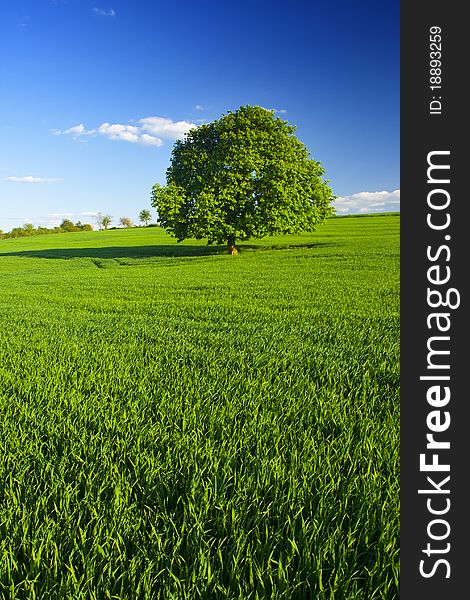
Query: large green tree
[(244, 175)]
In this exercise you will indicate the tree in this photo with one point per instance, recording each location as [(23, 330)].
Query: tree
[(244, 175), (126, 222), (67, 225), (83, 226), (28, 228), (145, 216), (105, 221)]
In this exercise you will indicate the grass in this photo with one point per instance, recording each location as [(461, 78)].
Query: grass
[(182, 424)]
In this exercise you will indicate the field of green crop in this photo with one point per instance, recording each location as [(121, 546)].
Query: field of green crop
[(178, 423)]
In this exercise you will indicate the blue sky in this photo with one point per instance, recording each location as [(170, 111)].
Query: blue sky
[(94, 93)]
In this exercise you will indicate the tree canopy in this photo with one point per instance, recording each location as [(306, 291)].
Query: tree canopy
[(145, 216), (104, 221), (244, 175), (126, 222)]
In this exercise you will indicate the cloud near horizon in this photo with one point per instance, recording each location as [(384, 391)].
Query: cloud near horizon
[(31, 179), (368, 202), (149, 131), (55, 219)]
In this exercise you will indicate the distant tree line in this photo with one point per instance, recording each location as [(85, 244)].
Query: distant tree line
[(103, 222), (28, 229)]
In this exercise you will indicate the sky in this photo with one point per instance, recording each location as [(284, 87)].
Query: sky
[(95, 92)]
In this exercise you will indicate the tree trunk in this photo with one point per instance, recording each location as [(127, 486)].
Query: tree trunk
[(232, 248)]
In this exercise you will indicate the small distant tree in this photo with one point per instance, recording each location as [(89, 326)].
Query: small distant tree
[(126, 222), (28, 228), (105, 221), (83, 226), (145, 216), (67, 225)]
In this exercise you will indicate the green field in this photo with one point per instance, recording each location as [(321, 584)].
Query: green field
[(179, 423)]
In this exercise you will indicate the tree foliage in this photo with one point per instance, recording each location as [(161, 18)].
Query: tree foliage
[(145, 216), (244, 175), (126, 222), (105, 221), (68, 225), (28, 229)]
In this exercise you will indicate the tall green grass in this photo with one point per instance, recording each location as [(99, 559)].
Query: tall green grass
[(178, 423)]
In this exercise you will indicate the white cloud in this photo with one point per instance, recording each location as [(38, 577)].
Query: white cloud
[(199, 107), (166, 128), (104, 13), (31, 179), (128, 133), (75, 131), (149, 140), (55, 219), (368, 202), (150, 131), (280, 111)]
